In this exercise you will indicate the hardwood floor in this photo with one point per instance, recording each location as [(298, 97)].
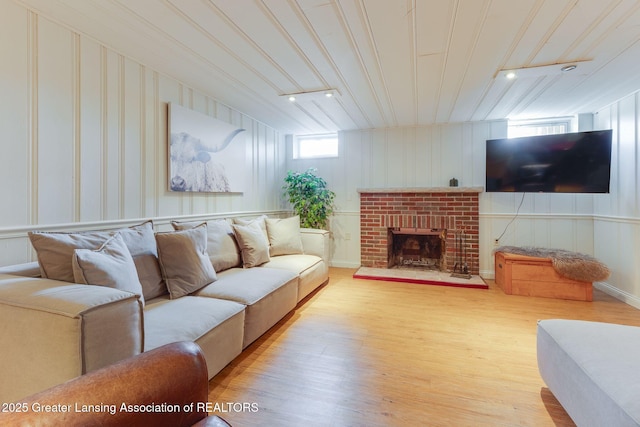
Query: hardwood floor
[(372, 353)]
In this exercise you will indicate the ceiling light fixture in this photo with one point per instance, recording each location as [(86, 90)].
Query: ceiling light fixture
[(577, 68), (311, 95)]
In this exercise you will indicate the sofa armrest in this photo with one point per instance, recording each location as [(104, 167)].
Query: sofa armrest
[(53, 331), (27, 269), (174, 375), (316, 242)]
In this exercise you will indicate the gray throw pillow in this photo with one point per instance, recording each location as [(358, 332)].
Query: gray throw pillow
[(261, 221), (55, 250), (184, 260), (222, 247), (253, 244), (111, 265), (141, 242)]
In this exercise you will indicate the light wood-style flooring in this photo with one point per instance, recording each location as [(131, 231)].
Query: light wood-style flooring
[(373, 353)]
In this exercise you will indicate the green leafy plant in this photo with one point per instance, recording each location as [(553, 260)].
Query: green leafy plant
[(310, 197)]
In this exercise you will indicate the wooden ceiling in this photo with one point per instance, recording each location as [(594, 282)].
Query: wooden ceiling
[(393, 62)]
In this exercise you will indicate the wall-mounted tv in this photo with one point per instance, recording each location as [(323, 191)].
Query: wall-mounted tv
[(563, 163)]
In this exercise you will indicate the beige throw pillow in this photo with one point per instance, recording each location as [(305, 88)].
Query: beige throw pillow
[(253, 244), (184, 260), (259, 220), (111, 266), (55, 250), (284, 236), (222, 247), (141, 242)]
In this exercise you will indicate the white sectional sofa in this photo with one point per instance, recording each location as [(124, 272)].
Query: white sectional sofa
[(213, 285), (593, 369)]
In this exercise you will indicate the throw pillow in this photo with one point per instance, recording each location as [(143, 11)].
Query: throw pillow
[(222, 247), (141, 242), (259, 220), (184, 260), (55, 250), (284, 236), (111, 266), (253, 244)]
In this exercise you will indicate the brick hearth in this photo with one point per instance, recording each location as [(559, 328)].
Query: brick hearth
[(453, 208)]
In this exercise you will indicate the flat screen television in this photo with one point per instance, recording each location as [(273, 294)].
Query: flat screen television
[(563, 163)]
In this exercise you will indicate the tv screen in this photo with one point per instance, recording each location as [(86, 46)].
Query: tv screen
[(564, 163)]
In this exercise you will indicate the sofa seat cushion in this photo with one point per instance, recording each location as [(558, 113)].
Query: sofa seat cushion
[(312, 270), (592, 369), (184, 319), (268, 294), (217, 326)]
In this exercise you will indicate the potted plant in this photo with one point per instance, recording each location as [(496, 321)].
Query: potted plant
[(310, 197)]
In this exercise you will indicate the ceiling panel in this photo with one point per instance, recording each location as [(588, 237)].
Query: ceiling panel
[(394, 62)]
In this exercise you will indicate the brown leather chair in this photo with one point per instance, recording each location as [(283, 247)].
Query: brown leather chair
[(167, 386)]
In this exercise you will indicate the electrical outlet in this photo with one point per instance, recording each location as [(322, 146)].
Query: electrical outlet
[(496, 242), (347, 236)]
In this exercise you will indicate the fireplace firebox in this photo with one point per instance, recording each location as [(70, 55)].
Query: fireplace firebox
[(423, 249)]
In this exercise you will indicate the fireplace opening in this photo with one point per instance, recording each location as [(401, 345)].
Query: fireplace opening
[(417, 248)]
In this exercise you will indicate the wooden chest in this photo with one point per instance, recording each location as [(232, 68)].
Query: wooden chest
[(536, 277)]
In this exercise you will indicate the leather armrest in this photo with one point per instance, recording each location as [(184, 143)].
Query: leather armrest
[(163, 382)]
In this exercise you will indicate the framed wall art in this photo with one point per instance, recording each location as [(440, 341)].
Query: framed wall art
[(205, 154)]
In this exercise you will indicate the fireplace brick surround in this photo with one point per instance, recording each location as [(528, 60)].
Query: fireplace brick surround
[(455, 209)]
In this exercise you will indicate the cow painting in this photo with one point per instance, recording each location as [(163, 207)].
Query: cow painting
[(200, 156)]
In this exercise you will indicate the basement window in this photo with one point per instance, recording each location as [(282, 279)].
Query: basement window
[(315, 146), (519, 128)]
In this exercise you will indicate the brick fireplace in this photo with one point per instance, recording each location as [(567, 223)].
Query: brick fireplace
[(451, 211)]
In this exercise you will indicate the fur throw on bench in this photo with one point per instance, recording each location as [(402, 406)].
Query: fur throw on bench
[(572, 265)]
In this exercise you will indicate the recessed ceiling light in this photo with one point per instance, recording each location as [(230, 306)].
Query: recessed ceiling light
[(292, 98), (510, 75), (568, 68), (328, 94)]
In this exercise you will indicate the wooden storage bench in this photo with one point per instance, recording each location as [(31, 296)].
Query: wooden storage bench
[(536, 277)]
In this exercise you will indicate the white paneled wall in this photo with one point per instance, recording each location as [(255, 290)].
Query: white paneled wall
[(85, 138), (617, 215), (430, 157)]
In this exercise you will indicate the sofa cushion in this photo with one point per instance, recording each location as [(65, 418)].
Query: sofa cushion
[(297, 263), (184, 319), (222, 247), (284, 236), (268, 293), (184, 260), (312, 270), (111, 266), (254, 246), (246, 286)]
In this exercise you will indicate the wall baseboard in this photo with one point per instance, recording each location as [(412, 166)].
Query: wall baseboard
[(623, 296), (344, 264)]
